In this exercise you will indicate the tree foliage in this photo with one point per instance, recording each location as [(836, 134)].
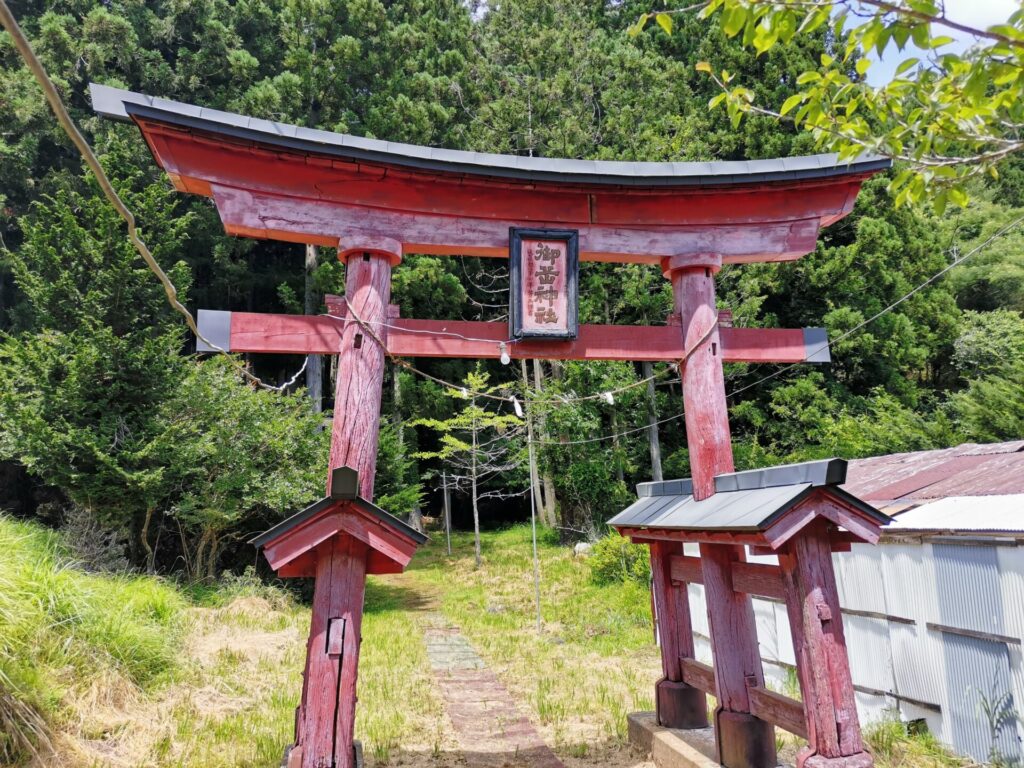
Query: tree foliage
[(948, 115), (101, 402)]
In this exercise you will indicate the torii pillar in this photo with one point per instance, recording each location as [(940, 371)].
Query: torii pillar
[(324, 735), (741, 738)]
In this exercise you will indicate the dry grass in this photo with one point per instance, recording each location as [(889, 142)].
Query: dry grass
[(228, 698)]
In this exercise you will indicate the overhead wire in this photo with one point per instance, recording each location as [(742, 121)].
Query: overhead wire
[(60, 111), (1003, 231), (366, 326)]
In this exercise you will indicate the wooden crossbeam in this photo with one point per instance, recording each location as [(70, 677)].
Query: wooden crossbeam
[(699, 675), (309, 334), (777, 709), (761, 579)]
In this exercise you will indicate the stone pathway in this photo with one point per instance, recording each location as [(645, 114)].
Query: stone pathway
[(491, 730)]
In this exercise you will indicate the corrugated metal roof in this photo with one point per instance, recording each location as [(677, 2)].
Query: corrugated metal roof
[(744, 501), (733, 510), (965, 470), (965, 513), (120, 105)]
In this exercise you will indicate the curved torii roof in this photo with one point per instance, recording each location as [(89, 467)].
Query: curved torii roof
[(301, 184)]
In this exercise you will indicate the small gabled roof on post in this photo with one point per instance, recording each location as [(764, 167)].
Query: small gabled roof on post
[(761, 507), (289, 546)]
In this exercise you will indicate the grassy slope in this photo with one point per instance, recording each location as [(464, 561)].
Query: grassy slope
[(133, 671), (64, 632)]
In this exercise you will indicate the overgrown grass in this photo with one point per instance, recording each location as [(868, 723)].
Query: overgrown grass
[(135, 671), (893, 747), (63, 631), (593, 662)]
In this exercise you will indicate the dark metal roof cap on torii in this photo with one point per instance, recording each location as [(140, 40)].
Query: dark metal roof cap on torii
[(744, 501), (344, 487), (124, 105)]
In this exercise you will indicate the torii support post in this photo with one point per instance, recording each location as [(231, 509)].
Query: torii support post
[(354, 431), (324, 734), (742, 740), (823, 667), (677, 704)]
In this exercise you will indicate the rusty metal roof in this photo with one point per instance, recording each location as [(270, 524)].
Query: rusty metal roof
[(965, 470)]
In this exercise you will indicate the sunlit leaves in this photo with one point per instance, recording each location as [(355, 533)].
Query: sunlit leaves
[(948, 115)]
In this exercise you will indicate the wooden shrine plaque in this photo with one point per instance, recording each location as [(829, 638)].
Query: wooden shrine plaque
[(544, 269)]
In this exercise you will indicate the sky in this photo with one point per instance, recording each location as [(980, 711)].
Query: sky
[(974, 13)]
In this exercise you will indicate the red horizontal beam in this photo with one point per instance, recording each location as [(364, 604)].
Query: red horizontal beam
[(309, 334), (248, 213)]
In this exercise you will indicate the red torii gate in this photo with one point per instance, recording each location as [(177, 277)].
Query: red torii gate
[(377, 200)]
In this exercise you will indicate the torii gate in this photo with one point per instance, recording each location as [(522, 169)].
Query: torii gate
[(375, 201)]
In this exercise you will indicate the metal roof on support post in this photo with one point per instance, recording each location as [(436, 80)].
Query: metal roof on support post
[(762, 507), (290, 545)]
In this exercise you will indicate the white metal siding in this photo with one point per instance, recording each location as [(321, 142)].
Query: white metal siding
[(967, 587), (914, 652), (867, 643), (859, 578), (975, 669), (909, 581)]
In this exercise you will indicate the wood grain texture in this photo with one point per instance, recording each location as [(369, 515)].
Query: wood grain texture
[(675, 629), (699, 675), (779, 710), (761, 579), (356, 421), (327, 713), (707, 417), (826, 506), (733, 629), (812, 600), (319, 334), (267, 216), (200, 162)]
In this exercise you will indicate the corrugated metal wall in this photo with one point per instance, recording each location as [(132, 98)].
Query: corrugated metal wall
[(905, 609)]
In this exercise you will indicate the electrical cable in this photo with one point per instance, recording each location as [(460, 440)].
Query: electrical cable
[(64, 119), (956, 262)]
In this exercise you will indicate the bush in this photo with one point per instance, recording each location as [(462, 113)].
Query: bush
[(615, 560), (61, 629)]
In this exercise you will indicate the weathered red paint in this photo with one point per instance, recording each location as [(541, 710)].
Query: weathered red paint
[(354, 431), (269, 216), (327, 713), (219, 160), (319, 334), (293, 545), (707, 415), (677, 707), (758, 579), (816, 621), (731, 618)]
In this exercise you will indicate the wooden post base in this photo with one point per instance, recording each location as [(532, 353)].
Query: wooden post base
[(744, 741), (293, 756), (809, 759), (680, 705)]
